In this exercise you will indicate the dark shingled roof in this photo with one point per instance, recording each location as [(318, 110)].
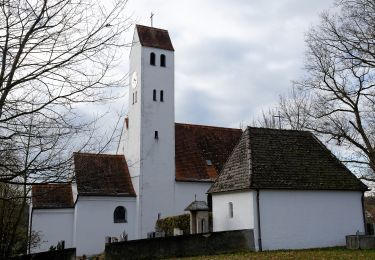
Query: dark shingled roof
[(154, 37), (102, 175), (197, 146), (197, 206), (283, 159), (45, 196)]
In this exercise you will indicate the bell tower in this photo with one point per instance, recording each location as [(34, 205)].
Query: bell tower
[(148, 138)]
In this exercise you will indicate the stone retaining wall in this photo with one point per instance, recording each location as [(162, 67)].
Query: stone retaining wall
[(64, 254), (360, 242), (179, 246)]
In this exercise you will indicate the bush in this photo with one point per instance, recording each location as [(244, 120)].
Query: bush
[(168, 224)]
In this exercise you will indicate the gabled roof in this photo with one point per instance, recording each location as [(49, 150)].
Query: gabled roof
[(154, 37), (235, 174), (45, 196), (197, 206), (201, 151), (102, 175), (283, 159)]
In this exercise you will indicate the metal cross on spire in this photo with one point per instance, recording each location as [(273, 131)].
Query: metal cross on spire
[(279, 117), (152, 19)]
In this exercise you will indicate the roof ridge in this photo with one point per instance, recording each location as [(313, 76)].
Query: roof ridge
[(52, 184), (99, 154), (208, 126), (151, 28), (278, 130)]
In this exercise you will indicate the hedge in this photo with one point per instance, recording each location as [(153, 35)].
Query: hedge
[(168, 224)]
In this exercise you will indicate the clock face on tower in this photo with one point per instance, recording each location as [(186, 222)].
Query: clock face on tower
[(134, 79)]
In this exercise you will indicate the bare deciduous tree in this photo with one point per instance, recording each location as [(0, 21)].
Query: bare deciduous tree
[(295, 109), (340, 81), (292, 112), (54, 54)]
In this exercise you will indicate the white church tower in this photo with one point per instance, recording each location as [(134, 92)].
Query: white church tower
[(148, 138)]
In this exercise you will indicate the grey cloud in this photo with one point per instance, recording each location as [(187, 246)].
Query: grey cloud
[(232, 58)]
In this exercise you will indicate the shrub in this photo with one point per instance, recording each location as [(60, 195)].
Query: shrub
[(168, 224)]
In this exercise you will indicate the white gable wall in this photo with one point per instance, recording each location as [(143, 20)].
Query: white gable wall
[(243, 210), (308, 219), (53, 225), (94, 221)]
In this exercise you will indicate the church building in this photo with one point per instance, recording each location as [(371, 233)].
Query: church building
[(261, 179), (159, 169)]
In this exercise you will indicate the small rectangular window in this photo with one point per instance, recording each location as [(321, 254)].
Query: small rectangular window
[(136, 97), (156, 135), (154, 95), (133, 98), (230, 210)]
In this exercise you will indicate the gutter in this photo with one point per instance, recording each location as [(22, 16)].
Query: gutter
[(259, 229)]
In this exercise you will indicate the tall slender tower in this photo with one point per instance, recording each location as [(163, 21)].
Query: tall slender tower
[(148, 139)]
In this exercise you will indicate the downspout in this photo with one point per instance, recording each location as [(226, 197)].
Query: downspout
[(363, 211), (259, 230), (30, 229)]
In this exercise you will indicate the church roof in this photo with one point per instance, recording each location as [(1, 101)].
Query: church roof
[(283, 159), (102, 175), (201, 151), (46, 196), (154, 37)]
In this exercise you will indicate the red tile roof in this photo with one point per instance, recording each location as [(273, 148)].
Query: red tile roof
[(102, 175), (197, 144), (154, 37), (52, 196)]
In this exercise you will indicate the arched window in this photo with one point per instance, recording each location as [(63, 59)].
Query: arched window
[(154, 95), (162, 60), (152, 58), (119, 215), (161, 96)]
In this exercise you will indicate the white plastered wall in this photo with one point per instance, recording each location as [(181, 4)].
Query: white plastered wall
[(243, 210), (185, 194), (308, 219), (94, 221), (157, 193), (150, 160), (53, 225)]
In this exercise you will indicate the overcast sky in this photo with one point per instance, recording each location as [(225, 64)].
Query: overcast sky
[(232, 58)]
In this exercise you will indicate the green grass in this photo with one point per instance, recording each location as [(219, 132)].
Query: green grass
[(323, 253)]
